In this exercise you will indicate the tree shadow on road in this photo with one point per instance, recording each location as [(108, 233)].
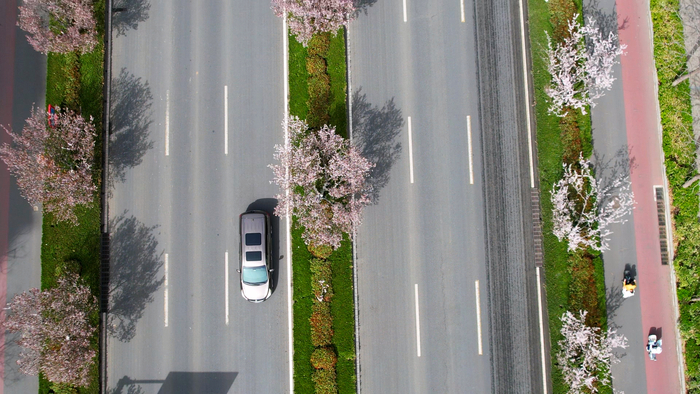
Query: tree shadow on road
[(610, 169), (131, 102), (606, 20), (374, 132), (134, 267), (613, 301), (126, 14), (361, 6)]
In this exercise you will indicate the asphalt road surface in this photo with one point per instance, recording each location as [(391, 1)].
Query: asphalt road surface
[(445, 257), (22, 85), (197, 106)]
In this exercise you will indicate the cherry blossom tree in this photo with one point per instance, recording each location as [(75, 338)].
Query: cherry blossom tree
[(308, 17), (581, 66), (58, 25), (55, 331), (585, 353), (584, 208), (53, 163), (325, 177)]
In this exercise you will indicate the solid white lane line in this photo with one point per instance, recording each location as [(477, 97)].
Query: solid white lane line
[(417, 322), (226, 119), (539, 307), (469, 139), (226, 283), (165, 307), (290, 339), (167, 122), (527, 95), (405, 17), (478, 315), (410, 149), (461, 4)]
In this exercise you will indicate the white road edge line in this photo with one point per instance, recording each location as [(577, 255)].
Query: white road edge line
[(527, 95), (165, 294), (226, 125), (226, 283), (469, 139), (410, 149), (478, 315), (285, 98), (539, 307), (461, 4), (405, 17), (417, 321), (167, 122)]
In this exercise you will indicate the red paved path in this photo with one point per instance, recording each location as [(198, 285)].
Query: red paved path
[(641, 115), (8, 15)]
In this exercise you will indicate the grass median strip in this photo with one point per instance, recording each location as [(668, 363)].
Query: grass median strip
[(573, 281), (75, 81), (317, 90)]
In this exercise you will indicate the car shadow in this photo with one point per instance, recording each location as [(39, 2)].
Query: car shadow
[(179, 383)]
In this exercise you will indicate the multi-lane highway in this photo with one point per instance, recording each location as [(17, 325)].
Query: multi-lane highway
[(197, 103), (447, 289)]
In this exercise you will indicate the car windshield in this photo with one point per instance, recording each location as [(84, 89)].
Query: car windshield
[(255, 275)]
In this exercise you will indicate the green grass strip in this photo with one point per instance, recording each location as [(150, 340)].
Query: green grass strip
[(337, 70), (343, 311), (75, 82), (550, 150), (298, 80), (680, 156), (303, 299)]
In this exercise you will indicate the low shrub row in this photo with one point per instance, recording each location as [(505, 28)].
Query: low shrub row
[(680, 158), (323, 359)]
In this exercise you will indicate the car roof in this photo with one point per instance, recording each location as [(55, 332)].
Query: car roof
[(254, 222)]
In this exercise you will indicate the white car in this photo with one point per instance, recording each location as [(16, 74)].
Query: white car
[(255, 256)]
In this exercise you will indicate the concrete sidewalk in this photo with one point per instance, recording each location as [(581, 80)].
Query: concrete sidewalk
[(627, 138)]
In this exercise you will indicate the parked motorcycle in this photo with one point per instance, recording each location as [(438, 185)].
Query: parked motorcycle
[(629, 284), (653, 347)]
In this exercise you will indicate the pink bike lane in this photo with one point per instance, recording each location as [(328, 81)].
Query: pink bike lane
[(656, 286)]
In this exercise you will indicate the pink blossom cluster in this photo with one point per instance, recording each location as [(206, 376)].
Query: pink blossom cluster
[(308, 17), (584, 208), (55, 331), (58, 25), (585, 353), (581, 74), (53, 165), (323, 178)]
